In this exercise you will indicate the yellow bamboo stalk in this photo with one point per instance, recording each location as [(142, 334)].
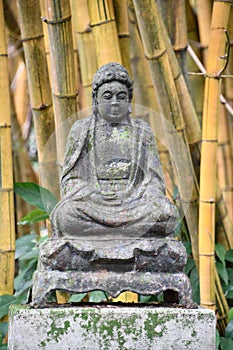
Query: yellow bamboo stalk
[(122, 23), (104, 29), (23, 172), (225, 161), (39, 88), (46, 35), (145, 95), (64, 82), (86, 48), (7, 223), (204, 10), (224, 226), (150, 24), (196, 81), (220, 17), (229, 81)]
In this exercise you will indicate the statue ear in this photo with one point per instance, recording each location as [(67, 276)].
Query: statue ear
[(95, 109), (130, 108)]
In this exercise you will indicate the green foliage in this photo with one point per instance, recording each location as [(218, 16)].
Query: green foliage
[(39, 197)]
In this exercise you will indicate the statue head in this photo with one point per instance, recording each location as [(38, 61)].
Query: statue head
[(109, 75)]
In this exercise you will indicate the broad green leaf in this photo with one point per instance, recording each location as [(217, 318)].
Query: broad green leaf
[(189, 266), (97, 296), (3, 347), (230, 314), (194, 279), (229, 330), (217, 339), (36, 195), (230, 274), (34, 216), (226, 343), (76, 298), (5, 301), (23, 280), (3, 328), (220, 251), (222, 271), (25, 244), (144, 298), (229, 255), (188, 247), (33, 254)]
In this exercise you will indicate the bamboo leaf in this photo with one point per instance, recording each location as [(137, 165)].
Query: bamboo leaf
[(229, 330), (229, 255), (97, 296), (226, 343), (25, 244), (222, 271), (3, 328), (34, 216), (5, 302), (230, 314), (76, 298), (189, 266), (220, 251), (36, 195)]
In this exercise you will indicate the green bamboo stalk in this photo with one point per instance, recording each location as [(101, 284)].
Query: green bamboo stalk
[(63, 77), (7, 221), (39, 88)]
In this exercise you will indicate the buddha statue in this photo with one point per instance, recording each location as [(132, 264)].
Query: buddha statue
[(113, 229), (112, 182)]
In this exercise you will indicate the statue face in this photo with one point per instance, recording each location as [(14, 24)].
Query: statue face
[(113, 101)]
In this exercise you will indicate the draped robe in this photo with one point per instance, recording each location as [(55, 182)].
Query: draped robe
[(112, 197)]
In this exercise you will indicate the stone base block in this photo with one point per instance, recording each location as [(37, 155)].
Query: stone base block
[(112, 327)]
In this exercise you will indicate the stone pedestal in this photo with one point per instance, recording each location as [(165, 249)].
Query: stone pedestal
[(112, 327)]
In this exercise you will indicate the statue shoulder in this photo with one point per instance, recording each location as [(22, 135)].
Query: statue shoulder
[(139, 123), (81, 125)]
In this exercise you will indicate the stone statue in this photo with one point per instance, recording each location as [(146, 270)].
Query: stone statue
[(112, 176), (114, 224)]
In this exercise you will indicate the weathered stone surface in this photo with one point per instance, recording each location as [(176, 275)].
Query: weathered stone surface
[(111, 327), (113, 229)]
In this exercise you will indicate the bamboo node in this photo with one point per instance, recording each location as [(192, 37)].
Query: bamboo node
[(41, 107), (208, 140), (66, 96), (102, 22), (3, 55), (156, 56), (40, 36), (5, 125), (57, 21), (123, 35), (207, 254), (6, 189), (210, 201)]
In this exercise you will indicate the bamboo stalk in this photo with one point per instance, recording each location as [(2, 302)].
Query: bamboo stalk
[(64, 82), (224, 160), (204, 10), (220, 17), (39, 87), (7, 223), (86, 48), (150, 25), (174, 18), (104, 29), (196, 81), (122, 23), (145, 95)]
